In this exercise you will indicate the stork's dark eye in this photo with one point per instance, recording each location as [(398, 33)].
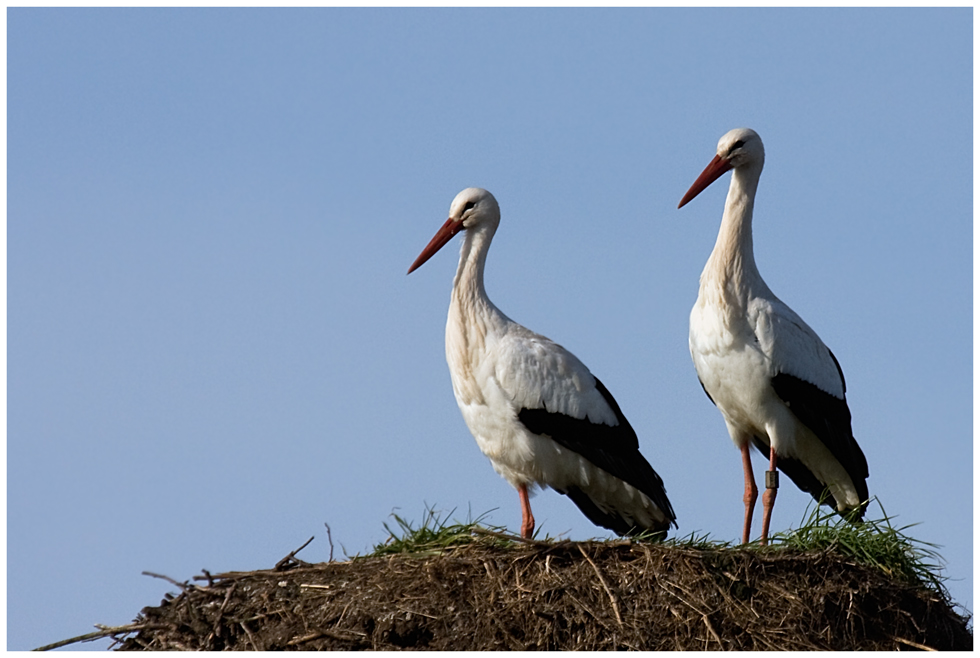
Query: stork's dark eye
[(469, 206), (737, 145)]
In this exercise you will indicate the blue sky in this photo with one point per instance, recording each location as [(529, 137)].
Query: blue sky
[(213, 348)]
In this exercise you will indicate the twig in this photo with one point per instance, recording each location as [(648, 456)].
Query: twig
[(679, 597), (921, 647), (587, 609), (182, 586), (416, 612), (615, 605), (711, 629), (329, 539), (105, 631), (291, 560), (338, 633), (251, 639), (306, 638), (221, 610)]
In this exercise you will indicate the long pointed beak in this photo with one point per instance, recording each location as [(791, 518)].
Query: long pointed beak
[(715, 168), (438, 241)]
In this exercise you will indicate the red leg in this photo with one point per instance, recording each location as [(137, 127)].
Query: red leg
[(527, 519), (751, 492), (769, 496)]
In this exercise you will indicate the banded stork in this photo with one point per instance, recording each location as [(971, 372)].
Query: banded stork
[(534, 409), (775, 382)]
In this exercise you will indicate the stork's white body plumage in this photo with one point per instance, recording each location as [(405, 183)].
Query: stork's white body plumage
[(534, 409), (775, 382)]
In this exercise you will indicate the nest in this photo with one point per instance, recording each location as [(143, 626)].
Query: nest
[(565, 596)]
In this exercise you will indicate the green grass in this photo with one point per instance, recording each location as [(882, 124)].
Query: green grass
[(698, 541), (876, 542), (437, 533), (872, 542)]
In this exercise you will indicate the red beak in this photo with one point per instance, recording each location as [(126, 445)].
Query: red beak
[(438, 241), (715, 168)]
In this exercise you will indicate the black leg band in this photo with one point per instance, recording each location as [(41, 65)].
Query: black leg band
[(772, 479)]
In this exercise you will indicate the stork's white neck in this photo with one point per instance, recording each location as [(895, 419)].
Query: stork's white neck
[(472, 316), (731, 268), (469, 293)]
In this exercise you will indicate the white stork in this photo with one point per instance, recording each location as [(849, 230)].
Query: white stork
[(535, 410), (774, 381)]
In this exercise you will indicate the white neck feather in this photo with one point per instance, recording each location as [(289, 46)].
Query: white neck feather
[(731, 270), (472, 316)]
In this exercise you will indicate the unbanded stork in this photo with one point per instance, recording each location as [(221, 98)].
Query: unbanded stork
[(774, 381), (535, 410)]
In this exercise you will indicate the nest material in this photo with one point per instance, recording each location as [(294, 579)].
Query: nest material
[(565, 596)]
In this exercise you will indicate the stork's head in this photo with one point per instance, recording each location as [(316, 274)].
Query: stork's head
[(741, 147), (472, 208)]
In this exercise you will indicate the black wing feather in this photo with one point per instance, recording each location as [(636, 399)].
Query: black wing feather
[(613, 449), (592, 512), (829, 418), (801, 476)]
